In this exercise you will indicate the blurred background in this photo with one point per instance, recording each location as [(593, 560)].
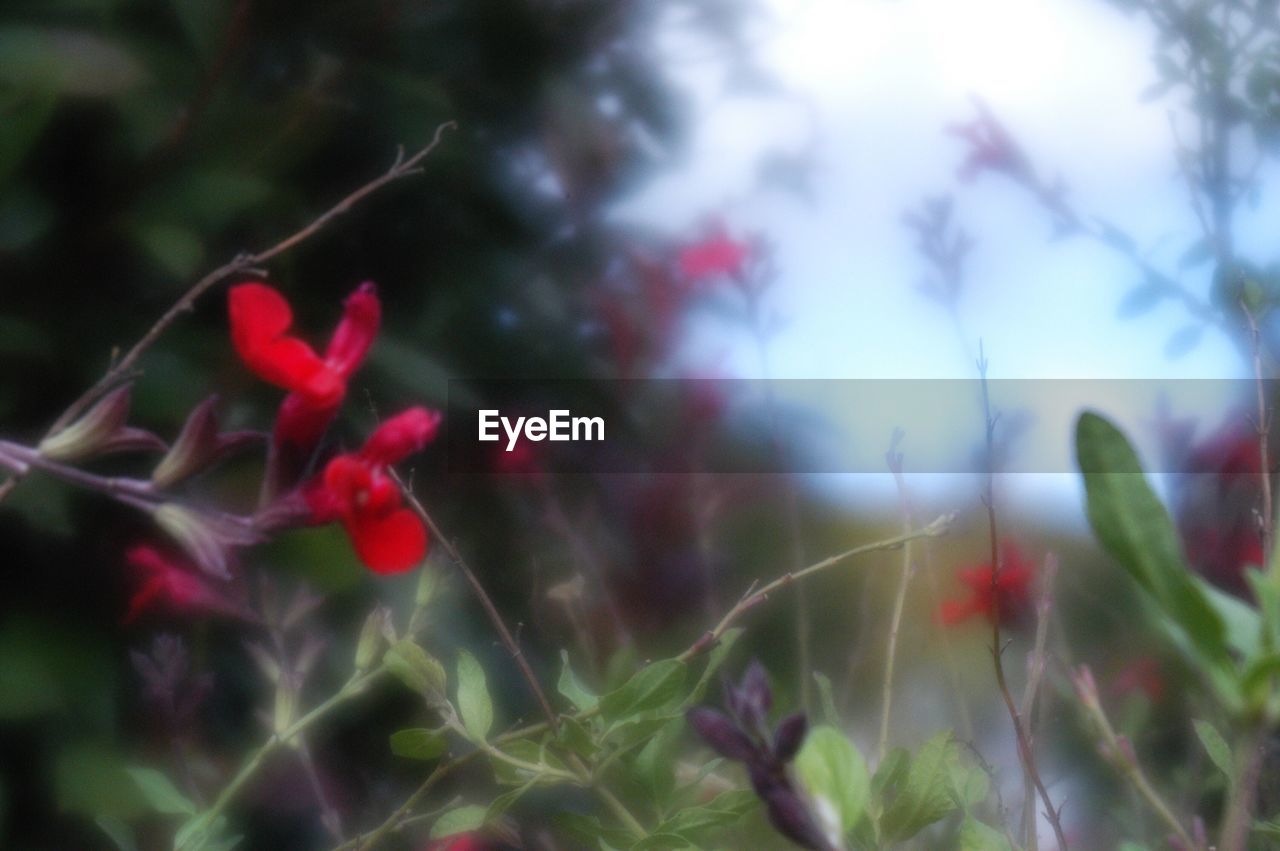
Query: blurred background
[(818, 189)]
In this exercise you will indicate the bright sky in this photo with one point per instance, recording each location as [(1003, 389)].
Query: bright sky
[(871, 85)]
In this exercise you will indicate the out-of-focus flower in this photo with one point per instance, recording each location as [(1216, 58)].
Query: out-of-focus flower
[(1009, 595), (991, 146), (165, 584), (260, 321), (356, 490), (460, 842), (1216, 500), (744, 736), (1141, 676), (715, 256)]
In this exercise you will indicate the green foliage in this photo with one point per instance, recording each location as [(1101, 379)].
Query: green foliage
[(572, 688), (831, 768), (653, 686), (922, 793), (474, 703), (976, 836), (417, 669), (460, 820), (419, 743), (1217, 748), (160, 793)]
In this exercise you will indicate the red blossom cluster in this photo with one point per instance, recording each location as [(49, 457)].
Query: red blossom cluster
[(1006, 594), (355, 489)]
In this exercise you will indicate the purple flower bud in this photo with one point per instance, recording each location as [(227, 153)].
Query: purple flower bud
[(753, 697), (100, 431), (200, 446), (789, 814), (789, 736), (718, 731), (207, 538)]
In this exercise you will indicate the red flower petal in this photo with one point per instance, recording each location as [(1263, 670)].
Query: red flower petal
[(355, 333), (401, 436), (390, 543), (260, 316)]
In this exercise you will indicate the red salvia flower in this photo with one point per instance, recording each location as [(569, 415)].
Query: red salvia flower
[(714, 256), (356, 490), (1009, 596), (260, 322), (166, 584)]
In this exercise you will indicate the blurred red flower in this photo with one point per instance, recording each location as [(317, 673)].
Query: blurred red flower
[(1141, 676), (1009, 595), (460, 842), (165, 583), (356, 490), (716, 255), (260, 321)]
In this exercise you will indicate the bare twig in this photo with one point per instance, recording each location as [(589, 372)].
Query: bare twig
[(894, 459), (1025, 752), (495, 617), (123, 366), (1035, 672), (1263, 428)]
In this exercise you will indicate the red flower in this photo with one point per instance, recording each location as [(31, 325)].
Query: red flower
[(165, 584), (460, 842), (1009, 595), (260, 320), (356, 490), (1141, 676), (716, 255)]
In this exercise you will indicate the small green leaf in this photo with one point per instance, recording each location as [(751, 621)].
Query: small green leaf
[(572, 688), (924, 796), (826, 696), (650, 688), (831, 768), (506, 800), (120, 834), (714, 660), (976, 836), (419, 743), (460, 820), (1217, 748), (160, 792), (417, 669), (473, 697)]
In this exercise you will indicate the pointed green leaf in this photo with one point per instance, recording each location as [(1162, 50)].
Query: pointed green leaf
[(474, 703), (831, 768), (572, 688), (650, 688), (419, 743), (1217, 748), (460, 820), (924, 796), (160, 792)]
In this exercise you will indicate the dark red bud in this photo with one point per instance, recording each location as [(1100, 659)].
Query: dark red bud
[(718, 731)]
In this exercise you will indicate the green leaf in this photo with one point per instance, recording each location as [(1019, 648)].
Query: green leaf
[(696, 824), (831, 768), (160, 792), (1217, 748), (474, 703), (654, 766), (419, 743), (120, 834), (714, 660), (826, 697), (506, 800), (924, 796), (1133, 526), (418, 670), (650, 688), (176, 249), (572, 688), (460, 820), (976, 836)]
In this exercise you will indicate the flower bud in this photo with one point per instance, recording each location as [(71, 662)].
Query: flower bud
[(199, 446), (206, 538), (371, 639), (100, 431)]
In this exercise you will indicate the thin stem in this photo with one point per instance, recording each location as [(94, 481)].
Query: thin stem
[(495, 618), (1238, 821), (354, 687), (1263, 427), (400, 169), (1025, 752), (708, 639), (1121, 754), (20, 458), (1044, 611), (894, 459)]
